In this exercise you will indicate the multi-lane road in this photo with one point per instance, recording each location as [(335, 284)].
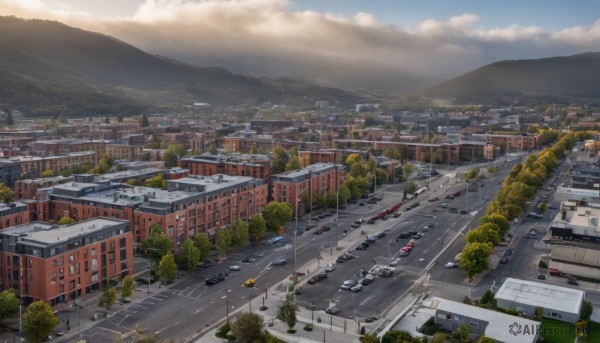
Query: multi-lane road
[(189, 308)]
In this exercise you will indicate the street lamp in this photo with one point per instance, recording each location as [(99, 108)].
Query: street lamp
[(227, 291)]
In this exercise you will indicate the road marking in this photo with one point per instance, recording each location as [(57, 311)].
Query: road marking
[(198, 311), (364, 301)]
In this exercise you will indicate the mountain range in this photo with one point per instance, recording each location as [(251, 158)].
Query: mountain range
[(554, 79), (51, 69), (48, 68)]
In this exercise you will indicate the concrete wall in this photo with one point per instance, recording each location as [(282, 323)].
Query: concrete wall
[(530, 311)]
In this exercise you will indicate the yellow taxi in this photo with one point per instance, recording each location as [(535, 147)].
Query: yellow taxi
[(250, 282)]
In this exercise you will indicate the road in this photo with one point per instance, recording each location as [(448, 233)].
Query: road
[(187, 309)]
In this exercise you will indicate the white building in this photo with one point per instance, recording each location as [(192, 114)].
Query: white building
[(559, 303)]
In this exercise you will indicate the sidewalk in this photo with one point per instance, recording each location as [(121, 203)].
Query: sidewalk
[(77, 316)]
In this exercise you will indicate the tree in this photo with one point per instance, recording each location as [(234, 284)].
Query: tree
[(392, 153), (38, 321), (144, 121), (586, 310), (539, 313), (280, 159), (204, 246), (104, 165), (411, 187), (47, 173), (248, 327), (213, 149), (188, 256), (157, 182), (239, 233), (485, 339), (223, 242), (167, 269), (128, 286), (353, 159), (257, 228), (542, 207), (173, 154), (497, 219), (370, 338), (408, 169), (158, 243), (487, 297), (462, 333), (66, 221), (484, 234), (277, 214), (471, 174), (287, 312), (6, 194), (474, 258), (9, 305), (293, 164), (107, 298), (491, 169)]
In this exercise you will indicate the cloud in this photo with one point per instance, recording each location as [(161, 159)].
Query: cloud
[(267, 37)]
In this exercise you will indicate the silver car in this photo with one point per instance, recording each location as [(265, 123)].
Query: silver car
[(348, 284), (357, 288)]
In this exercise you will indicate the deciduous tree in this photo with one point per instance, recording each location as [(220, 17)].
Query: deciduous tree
[(223, 242), (474, 258), (497, 219), (257, 228), (204, 246), (248, 327), (167, 269), (9, 305), (277, 214), (6, 194), (239, 234), (188, 256), (128, 286), (158, 243), (66, 221), (107, 298), (38, 321), (287, 311)]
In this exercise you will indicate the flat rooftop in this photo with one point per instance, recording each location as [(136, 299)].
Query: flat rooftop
[(538, 294), (214, 182), (45, 234), (314, 168), (499, 323)]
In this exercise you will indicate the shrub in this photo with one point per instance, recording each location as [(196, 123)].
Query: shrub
[(543, 264), (308, 327), (223, 331)]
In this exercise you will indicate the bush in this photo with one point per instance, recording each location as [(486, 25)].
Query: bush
[(263, 308), (429, 327), (291, 331), (308, 327), (223, 331), (543, 264), (362, 330)]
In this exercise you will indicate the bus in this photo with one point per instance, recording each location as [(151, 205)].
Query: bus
[(420, 190)]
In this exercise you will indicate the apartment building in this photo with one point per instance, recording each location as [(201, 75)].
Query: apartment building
[(513, 142), (188, 206), (256, 166), (34, 165), (120, 151), (316, 179), (10, 171), (70, 145), (14, 213), (27, 189), (57, 264)]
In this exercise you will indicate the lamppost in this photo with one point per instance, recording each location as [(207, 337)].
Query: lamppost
[(227, 291), (467, 198)]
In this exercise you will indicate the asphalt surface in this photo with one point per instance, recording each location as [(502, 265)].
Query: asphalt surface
[(189, 308)]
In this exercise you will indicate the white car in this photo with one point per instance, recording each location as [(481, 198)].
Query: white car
[(357, 288), (329, 267), (234, 268), (451, 265), (394, 262)]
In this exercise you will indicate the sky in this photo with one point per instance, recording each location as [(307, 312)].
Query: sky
[(353, 43)]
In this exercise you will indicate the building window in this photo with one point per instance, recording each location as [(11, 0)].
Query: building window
[(61, 260), (53, 279), (93, 251), (53, 263)]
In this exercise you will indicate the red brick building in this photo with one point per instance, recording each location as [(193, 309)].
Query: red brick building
[(58, 264), (14, 213), (188, 206), (256, 166), (315, 179)]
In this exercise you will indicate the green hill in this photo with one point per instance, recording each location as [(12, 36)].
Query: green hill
[(571, 77), (48, 67)]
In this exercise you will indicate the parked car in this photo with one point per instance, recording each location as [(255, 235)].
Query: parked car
[(396, 215), (365, 281), (453, 210), (463, 212), (357, 288), (541, 276), (431, 225), (329, 267), (508, 252), (235, 268), (380, 234), (451, 265), (332, 310), (348, 284), (312, 280), (504, 260), (572, 281)]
